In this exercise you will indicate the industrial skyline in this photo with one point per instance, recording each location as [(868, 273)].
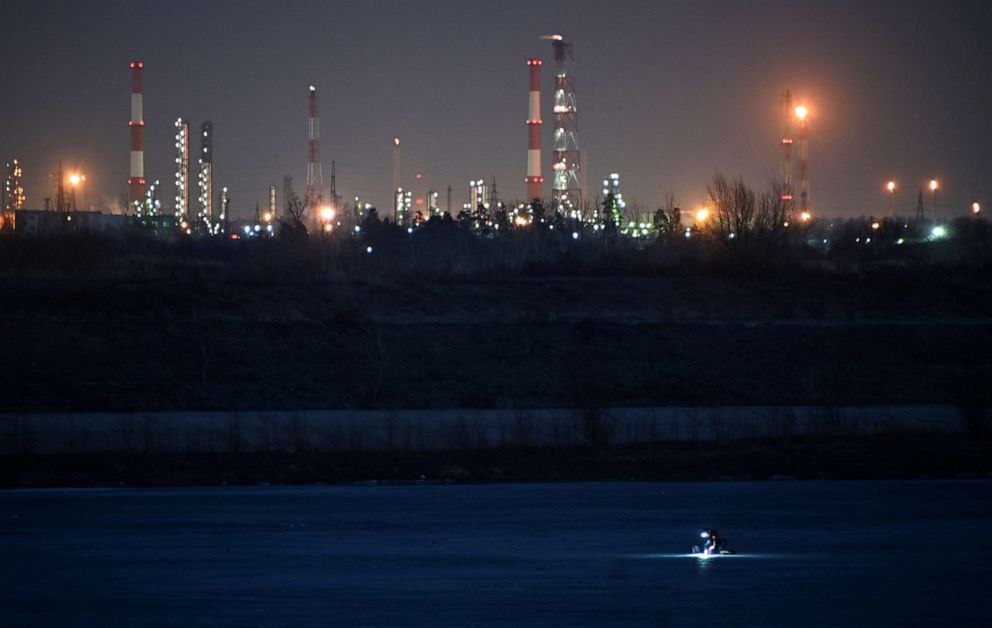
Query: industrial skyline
[(664, 117)]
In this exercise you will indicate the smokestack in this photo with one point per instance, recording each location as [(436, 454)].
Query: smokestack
[(802, 113), (787, 147), (534, 178), (396, 163), (396, 178), (136, 182), (315, 177)]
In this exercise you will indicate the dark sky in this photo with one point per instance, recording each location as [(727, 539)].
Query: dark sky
[(667, 92)]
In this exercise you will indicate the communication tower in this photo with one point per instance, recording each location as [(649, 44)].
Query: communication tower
[(566, 195)]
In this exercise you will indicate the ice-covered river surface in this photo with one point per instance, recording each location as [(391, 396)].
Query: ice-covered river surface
[(609, 554)]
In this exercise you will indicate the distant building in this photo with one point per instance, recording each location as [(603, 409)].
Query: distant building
[(45, 222), (159, 225)]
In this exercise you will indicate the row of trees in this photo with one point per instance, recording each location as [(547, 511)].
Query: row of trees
[(751, 226)]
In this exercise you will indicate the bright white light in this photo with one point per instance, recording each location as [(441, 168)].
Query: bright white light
[(575, 235), (368, 250), (938, 232)]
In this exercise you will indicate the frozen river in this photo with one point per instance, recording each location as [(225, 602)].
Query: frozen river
[(812, 554)]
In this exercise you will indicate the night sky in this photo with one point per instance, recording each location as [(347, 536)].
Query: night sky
[(667, 93)]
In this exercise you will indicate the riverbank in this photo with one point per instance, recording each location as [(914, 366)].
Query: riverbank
[(848, 457), (522, 342)]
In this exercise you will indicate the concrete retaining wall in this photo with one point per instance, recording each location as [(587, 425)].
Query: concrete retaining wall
[(426, 430)]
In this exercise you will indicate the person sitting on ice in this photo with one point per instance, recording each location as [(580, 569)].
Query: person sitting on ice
[(714, 542)]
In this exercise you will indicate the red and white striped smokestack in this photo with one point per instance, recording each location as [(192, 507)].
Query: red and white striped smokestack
[(136, 182), (315, 176), (534, 178)]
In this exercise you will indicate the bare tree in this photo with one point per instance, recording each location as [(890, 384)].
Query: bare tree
[(293, 224), (632, 213), (752, 227)]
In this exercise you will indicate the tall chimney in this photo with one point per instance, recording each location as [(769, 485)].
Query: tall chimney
[(534, 178), (315, 177), (136, 182)]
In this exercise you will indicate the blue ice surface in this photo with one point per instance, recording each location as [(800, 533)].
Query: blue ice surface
[(910, 553)]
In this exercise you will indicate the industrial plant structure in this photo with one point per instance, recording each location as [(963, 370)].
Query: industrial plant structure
[(14, 197), (182, 170), (205, 178), (613, 203)]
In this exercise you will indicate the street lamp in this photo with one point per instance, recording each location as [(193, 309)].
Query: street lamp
[(702, 215), (975, 208), (891, 187), (933, 198)]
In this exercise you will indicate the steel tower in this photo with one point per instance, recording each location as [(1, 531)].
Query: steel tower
[(566, 195), (315, 177)]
